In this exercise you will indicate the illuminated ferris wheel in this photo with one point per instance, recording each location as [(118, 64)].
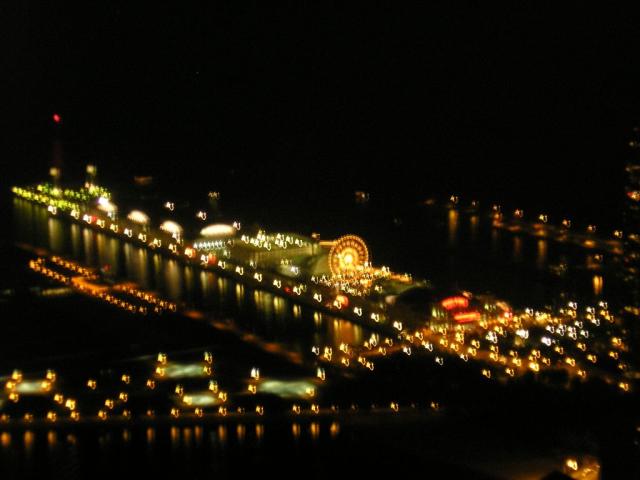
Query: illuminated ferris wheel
[(348, 255)]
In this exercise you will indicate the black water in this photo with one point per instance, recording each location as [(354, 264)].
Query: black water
[(453, 249)]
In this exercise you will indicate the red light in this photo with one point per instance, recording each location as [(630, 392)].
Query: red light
[(634, 195), (57, 118), (467, 317), (342, 301), (455, 302)]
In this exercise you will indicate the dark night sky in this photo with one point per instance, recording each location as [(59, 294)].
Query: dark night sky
[(499, 103)]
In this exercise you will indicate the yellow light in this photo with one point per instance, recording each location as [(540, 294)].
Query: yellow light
[(572, 464), (218, 230), (171, 227), (348, 254)]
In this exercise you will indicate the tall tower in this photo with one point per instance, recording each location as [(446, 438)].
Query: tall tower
[(92, 174), (632, 220)]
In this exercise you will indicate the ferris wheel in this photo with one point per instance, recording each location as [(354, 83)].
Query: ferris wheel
[(348, 255)]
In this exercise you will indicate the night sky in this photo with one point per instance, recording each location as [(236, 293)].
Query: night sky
[(520, 103)]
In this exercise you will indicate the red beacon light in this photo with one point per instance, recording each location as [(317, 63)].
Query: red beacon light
[(56, 118)]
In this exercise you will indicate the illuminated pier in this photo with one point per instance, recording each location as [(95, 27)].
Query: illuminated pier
[(332, 276), (457, 331)]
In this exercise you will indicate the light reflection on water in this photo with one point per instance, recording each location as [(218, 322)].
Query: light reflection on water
[(57, 240), (197, 433), (241, 432), (240, 294), (541, 257), (517, 248), (52, 439), (151, 436), (88, 240), (5, 439), (108, 252), (453, 226), (135, 263), (314, 430), (598, 284), (222, 435), (175, 437), (474, 222), (172, 281), (269, 316), (28, 439), (75, 453), (76, 240), (495, 241)]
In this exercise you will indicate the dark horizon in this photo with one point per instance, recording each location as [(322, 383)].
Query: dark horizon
[(510, 104)]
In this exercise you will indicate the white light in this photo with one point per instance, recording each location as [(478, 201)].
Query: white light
[(105, 205), (218, 230), (138, 217), (171, 227)]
